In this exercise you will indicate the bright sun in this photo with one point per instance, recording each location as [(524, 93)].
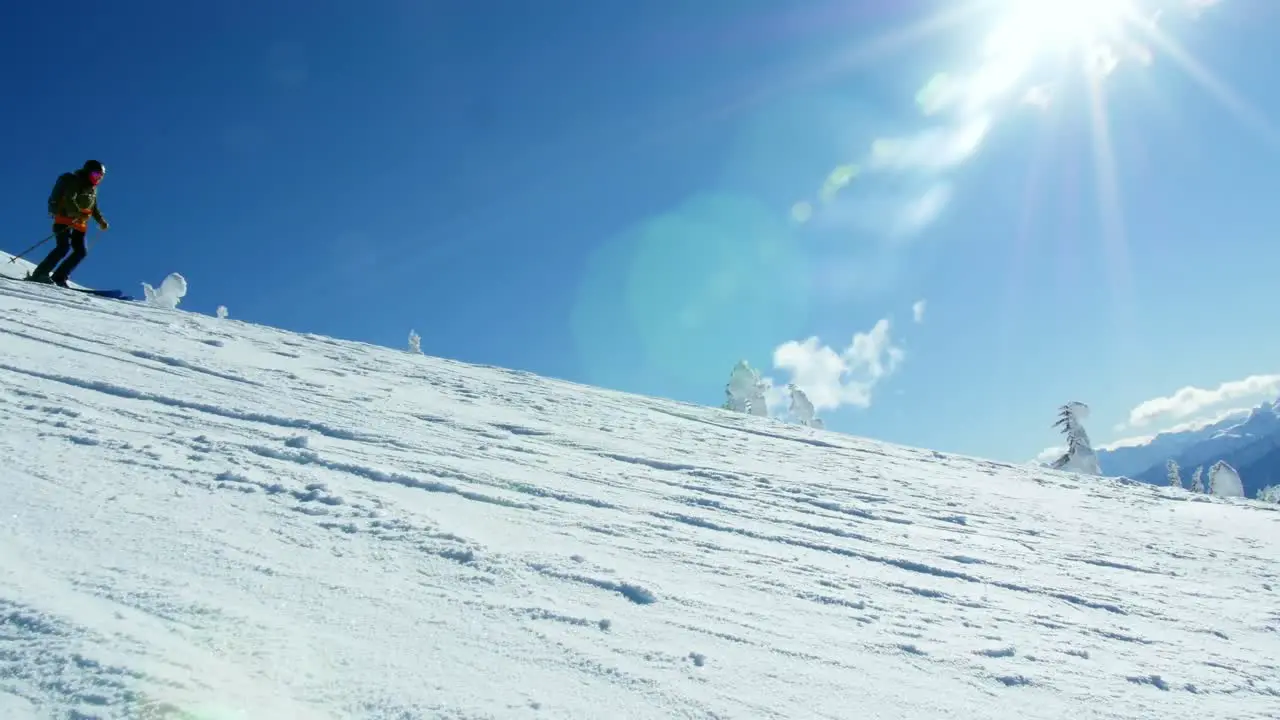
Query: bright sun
[(1053, 22)]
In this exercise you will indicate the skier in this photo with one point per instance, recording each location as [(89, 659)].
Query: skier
[(73, 201)]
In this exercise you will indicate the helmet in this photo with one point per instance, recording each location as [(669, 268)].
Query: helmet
[(94, 170)]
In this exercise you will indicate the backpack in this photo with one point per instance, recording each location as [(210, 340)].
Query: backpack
[(59, 189)]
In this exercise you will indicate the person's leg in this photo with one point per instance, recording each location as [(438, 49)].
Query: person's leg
[(68, 266), (62, 234)]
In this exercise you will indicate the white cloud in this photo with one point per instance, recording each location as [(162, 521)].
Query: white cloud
[(1053, 453), (1038, 96), (1102, 60), (1198, 404), (1198, 6), (776, 396), (963, 106), (834, 378), (933, 148), (1050, 454), (920, 212), (917, 311), (1191, 401), (1189, 425)]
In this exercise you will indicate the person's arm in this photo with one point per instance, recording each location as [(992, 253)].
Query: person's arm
[(97, 215)]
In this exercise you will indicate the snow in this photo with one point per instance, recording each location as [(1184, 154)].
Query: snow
[(11, 267), (801, 408), (746, 391), (1079, 456), (1224, 481), (204, 516), (170, 293), (1244, 438), (1079, 411)]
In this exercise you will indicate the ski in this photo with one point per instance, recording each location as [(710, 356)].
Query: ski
[(109, 294), (113, 294)]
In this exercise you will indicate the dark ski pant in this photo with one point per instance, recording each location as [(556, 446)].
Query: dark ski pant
[(69, 239)]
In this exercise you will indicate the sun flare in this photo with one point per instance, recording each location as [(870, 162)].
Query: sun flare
[(1071, 22)]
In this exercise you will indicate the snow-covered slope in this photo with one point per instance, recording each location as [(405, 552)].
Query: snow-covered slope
[(202, 518), (15, 268)]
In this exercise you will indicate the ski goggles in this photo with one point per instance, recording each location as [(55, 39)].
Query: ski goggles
[(95, 177)]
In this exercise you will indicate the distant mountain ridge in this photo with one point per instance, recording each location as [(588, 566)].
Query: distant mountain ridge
[(1249, 441)]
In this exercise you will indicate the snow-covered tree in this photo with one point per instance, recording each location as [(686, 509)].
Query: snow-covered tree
[(732, 401), (415, 342), (1197, 480), (222, 312), (1175, 476), (745, 391), (1270, 493), (171, 291), (802, 409), (1079, 456), (1224, 481)]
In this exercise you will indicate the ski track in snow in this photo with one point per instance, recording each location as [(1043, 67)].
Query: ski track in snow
[(204, 518)]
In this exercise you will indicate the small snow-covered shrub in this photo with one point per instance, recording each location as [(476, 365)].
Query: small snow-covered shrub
[(801, 409), (170, 293), (745, 391), (1224, 481)]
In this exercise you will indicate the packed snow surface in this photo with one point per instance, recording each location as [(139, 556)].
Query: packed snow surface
[(204, 518)]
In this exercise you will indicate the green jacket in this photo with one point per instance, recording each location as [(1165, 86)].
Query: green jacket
[(72, 195)]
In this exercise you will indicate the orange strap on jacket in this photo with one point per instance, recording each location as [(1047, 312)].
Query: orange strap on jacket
[(80, 224)]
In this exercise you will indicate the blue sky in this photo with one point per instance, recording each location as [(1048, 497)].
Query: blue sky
[(630, 194)]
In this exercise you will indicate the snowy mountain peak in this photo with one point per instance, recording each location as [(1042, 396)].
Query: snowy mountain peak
[(212, 519), (1264, 418), (1248, 440)]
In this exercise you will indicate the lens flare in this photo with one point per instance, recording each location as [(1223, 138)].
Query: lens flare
[(1054, 22)]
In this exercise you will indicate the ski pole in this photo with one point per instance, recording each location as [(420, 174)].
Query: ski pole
[(33, 247), (93, 240)]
